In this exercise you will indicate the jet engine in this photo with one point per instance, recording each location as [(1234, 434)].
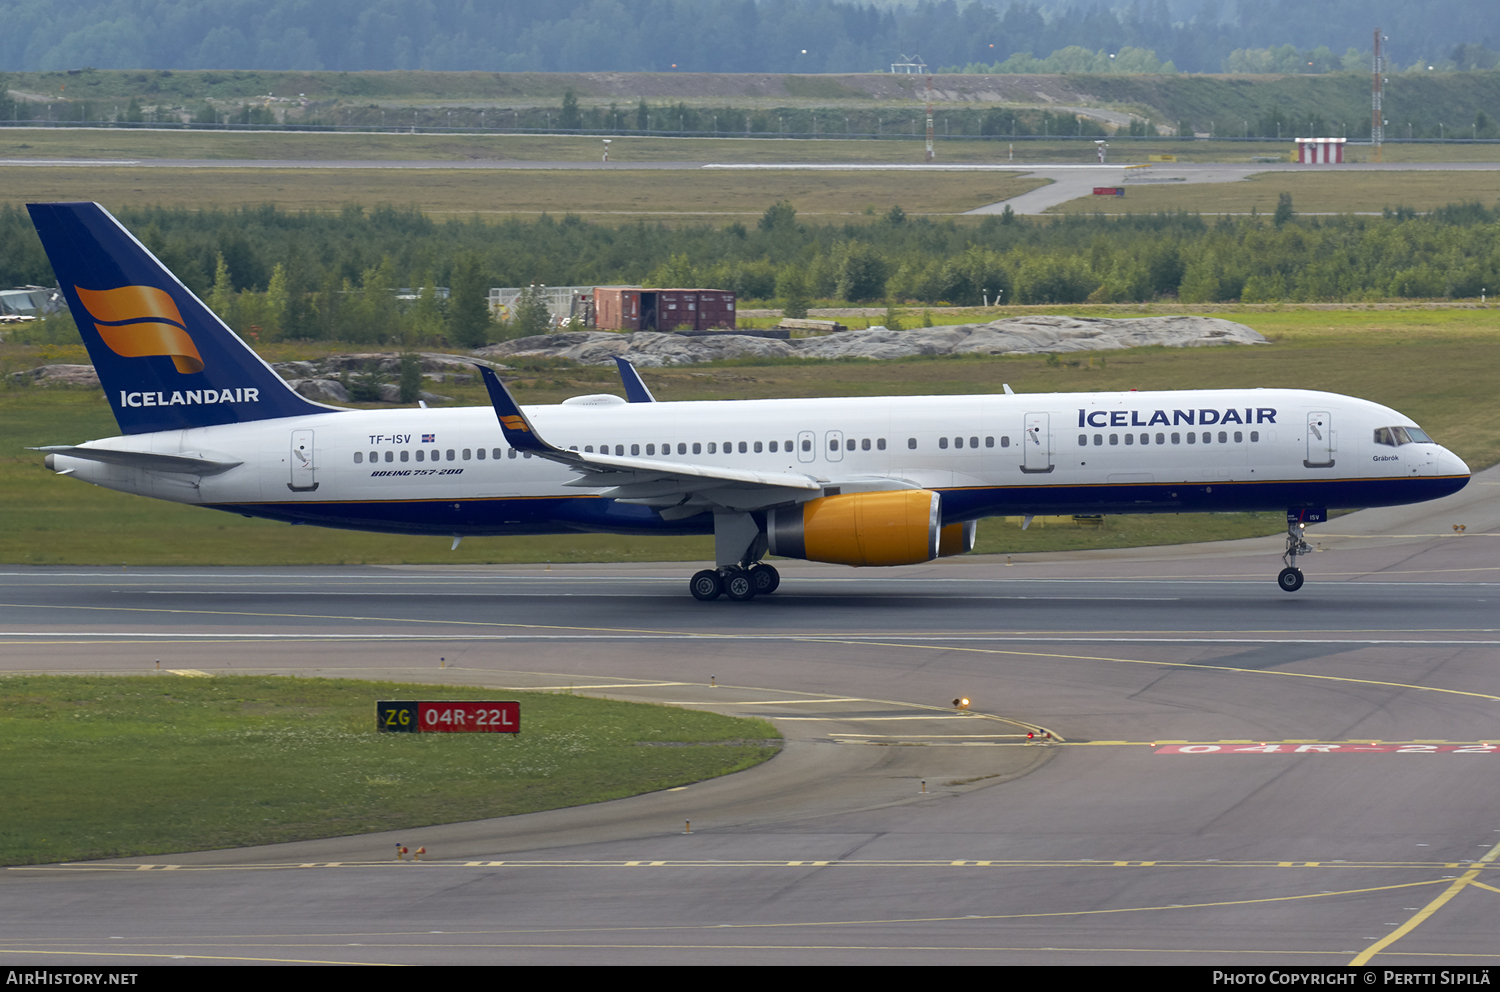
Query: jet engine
[(900, 527)]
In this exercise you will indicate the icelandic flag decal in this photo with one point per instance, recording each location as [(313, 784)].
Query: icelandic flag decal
[(429, 438)]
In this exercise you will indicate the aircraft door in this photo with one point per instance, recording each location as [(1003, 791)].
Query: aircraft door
[(1036, 444), (833, 442), (807, 444), (1321, 440), (302, 461)]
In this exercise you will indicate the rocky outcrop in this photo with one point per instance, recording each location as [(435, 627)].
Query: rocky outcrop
[(59, 375), (1008, 336)]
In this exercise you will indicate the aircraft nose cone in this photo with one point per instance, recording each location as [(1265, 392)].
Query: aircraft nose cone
[(1451, 464)]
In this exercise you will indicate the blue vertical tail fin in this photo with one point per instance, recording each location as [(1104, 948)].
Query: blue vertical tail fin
[(165, 360)]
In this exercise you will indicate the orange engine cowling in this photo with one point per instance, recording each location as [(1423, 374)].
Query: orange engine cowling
[(901, 527), (956, 539)]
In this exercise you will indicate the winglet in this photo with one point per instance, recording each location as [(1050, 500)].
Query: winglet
[(635, 389), (518, 430)]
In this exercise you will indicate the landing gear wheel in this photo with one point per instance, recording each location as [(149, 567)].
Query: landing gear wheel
[(706, 585), (765, 577), (739, 586), (1290, 579)]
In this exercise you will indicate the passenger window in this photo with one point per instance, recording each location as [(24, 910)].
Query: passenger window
[(480, 452), (989, 442), (1145, 438), (911, 443), (879, 443), (1161, 439), (973, 442), (466, 451), (359, 457), (697, 448), (588, 449), (390, 456), (1114, 439), (1254, 437), (1130, 439), (1238, 437), (1192, 438), (757, 447), (833, 445), (1223, 437), (1208, 437), (1083, 440), (650, 449), (712, 447), (525, 454), (1098, 439), (619, 449), (495, 454), (681, 448), (807, 445), (788, 446), (635, 449), (773, 447), (450, 454), (510, 453), (405, 456), (1176, 438), (743, 447), (942, 442), (419, 454), (1005, 441)]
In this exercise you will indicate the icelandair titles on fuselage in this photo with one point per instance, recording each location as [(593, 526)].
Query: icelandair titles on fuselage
[(190, 397), (1116, 418)]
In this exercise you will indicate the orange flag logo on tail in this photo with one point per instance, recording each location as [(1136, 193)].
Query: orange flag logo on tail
[(136, 321)]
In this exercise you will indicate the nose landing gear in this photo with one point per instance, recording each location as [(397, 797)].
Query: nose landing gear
[(1291, 578)]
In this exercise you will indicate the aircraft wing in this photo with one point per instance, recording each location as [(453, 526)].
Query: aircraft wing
[(152, 461), (676, 489)]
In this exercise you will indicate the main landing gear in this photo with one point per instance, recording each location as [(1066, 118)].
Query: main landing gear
[(1290, 578), (737, 582)]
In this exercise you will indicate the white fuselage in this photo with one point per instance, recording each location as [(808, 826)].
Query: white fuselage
[(450, 471)]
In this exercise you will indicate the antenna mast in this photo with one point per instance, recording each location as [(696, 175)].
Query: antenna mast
[(930, 153), (1377, 115)]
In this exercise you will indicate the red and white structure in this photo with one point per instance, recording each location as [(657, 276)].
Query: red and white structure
[(1320, 151)]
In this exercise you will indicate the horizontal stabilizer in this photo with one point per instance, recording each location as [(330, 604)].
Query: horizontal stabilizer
[(151, 461)]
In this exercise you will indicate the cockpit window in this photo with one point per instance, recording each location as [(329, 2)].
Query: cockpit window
[(1396, 436)]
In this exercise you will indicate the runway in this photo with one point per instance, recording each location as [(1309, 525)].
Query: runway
[(1235, 775)]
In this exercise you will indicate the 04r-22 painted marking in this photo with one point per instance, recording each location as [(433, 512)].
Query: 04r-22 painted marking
[(1326, 749)]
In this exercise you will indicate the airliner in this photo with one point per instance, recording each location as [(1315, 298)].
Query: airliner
[(893, 480)]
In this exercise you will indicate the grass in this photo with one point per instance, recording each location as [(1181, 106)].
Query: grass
[(624, 192), (98, 767), (1438, 365), (1328, 191), (96, 143)]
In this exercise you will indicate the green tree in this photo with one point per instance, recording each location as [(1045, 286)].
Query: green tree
[(531, 314), (642, 115), (411, 377), (571, 119), (221, 297), (1284, 211), (791, 286), (277, 301), (779, 218), (469, 305)]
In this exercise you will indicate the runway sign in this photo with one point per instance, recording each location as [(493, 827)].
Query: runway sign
[(1109, 190), (470, 716), (1327, 749)]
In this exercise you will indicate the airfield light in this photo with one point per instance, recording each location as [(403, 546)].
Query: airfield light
[(961, 703)]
